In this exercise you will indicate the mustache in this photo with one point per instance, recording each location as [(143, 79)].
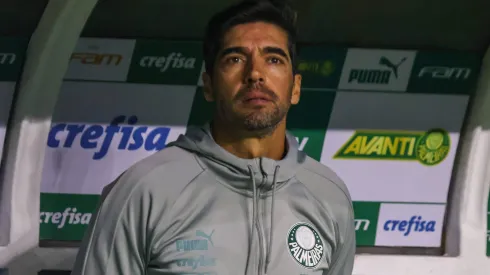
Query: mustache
[(243, 92)]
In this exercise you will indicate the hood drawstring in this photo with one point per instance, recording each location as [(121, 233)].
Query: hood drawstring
[(254, 209), (271, 235)]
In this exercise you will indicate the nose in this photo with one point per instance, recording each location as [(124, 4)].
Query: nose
[(254, 72)]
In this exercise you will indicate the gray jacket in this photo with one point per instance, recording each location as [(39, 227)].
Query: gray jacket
[(194, 208)]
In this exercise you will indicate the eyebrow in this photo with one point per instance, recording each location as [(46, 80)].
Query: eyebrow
[(230, 50), (276, 50), (243, 50)]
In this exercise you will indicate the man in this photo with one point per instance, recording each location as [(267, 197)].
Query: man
[(235, 196)]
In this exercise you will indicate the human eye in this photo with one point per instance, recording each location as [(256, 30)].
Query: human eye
[(233, 59), (275, 60)]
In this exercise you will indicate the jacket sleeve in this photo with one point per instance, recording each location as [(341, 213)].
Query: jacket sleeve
[(343, 263), (115, 240)]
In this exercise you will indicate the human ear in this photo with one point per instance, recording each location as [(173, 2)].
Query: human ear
[(207, 87), (296, 89)]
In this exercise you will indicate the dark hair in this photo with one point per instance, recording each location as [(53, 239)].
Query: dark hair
[(277, 12)]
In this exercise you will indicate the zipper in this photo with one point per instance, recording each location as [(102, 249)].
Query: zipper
[(260, 231)]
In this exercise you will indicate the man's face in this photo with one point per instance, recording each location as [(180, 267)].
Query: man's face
[(252, 82)]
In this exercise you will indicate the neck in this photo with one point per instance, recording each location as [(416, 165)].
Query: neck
[(246, 145)]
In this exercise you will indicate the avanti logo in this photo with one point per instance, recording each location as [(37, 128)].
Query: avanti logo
[(7, 58), (414, 224), (377, 76), (447, 73), (429, 148), (93, 137), (163, 63), (70, 216), (97, 58)]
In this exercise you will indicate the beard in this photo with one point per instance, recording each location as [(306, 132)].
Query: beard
[(259, 120)]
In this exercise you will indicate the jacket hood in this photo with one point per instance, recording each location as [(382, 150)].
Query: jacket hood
[(250, 177), (239, 172)]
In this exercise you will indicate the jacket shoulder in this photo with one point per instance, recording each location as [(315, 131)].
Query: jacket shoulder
[(169, 169), (330, 192), (323, 178), (130, 211)]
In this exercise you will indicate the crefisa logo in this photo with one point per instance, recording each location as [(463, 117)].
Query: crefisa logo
[(414, 224), (99, 137)]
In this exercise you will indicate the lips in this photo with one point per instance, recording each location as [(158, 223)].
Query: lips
[(256, 95)]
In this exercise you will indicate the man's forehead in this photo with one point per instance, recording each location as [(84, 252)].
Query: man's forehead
[(255, 35)]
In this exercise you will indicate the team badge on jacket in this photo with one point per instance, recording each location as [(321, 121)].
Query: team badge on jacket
[(305, 245)]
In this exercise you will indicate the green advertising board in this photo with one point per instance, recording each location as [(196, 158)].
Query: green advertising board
[(386, 121)]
